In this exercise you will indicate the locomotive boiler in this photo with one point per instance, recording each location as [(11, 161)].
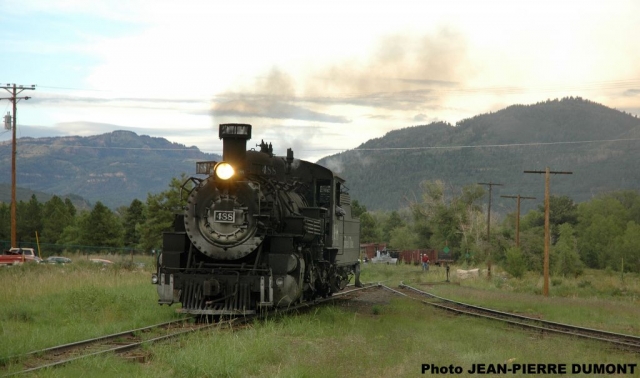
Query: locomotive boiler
[(258, 231)]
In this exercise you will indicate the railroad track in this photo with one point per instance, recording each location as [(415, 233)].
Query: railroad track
[(626, 342), (128, 341)]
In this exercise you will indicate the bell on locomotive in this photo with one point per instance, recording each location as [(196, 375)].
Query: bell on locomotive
[(257, 231)]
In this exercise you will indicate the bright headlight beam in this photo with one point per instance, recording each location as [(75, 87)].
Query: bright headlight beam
[(224, 171)]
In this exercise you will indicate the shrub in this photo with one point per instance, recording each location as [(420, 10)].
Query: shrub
[(515, 262)]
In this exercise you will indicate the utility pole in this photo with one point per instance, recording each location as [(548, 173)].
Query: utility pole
[(547, 237), (491, 184), (14, 91), (518, 216)]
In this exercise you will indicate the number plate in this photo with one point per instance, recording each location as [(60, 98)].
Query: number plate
[(224, 216)]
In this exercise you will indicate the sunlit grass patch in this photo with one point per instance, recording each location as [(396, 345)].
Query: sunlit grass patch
[(45, 305)]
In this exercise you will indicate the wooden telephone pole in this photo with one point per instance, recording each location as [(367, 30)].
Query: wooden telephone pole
[(547, 237), (491, 184), (518, 216), (14, 91)]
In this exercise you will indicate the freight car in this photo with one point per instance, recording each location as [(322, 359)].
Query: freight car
[(257, 232)]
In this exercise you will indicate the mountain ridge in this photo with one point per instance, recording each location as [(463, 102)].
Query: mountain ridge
[(113, 168), (597, 143)]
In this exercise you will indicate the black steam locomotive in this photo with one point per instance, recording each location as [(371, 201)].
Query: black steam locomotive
[(258, 232)]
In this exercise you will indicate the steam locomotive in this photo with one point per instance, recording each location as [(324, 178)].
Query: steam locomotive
[(259, 232)]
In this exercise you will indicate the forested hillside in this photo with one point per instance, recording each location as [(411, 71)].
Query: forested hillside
[(599, 145), (113, 168)]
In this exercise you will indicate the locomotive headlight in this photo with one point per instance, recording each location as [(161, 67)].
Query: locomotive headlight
[(154, 279), (224, 171)]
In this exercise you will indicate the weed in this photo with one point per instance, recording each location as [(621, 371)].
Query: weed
[(20, 314), (584, 284)]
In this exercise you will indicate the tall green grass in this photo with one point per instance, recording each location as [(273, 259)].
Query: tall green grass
[(333, 341), (596, 299), (44, 305)]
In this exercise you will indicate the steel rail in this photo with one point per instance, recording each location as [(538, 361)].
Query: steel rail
[(75, 344), (138, 343), (629, 342)]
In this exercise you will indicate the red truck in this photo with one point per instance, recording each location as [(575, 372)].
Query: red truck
[(15, 256)]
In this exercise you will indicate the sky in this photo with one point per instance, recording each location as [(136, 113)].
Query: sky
[(320, 77)]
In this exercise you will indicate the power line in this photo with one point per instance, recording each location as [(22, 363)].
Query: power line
[(562, 87), (371, 149), (477, 146)]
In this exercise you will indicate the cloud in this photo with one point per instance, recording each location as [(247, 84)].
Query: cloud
[(46, 98), (631, 92), (403, 72), (273, 97), (420, 118), (270, 107)]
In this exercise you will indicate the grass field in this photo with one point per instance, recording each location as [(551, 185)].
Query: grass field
[(44, 305)]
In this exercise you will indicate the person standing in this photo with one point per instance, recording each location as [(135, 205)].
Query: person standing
[(425, 263)]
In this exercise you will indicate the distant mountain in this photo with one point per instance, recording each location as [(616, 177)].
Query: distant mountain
[(113, 168), (600, 145)]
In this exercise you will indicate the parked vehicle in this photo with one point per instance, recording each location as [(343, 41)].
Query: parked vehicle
[(384, 257), (15, 256), (57, 260)]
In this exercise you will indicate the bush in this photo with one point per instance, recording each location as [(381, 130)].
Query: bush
[(515, 262)]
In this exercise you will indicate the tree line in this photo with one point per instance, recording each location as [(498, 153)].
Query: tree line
[(602, 233), (60, 227)]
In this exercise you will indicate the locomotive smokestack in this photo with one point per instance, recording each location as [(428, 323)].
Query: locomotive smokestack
[(234, 143)]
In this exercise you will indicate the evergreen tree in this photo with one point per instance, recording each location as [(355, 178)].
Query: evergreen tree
[(55, 217), (71, 209), (100, 228), (5, 221), (29, 219), (133, 220), (159, 214), (357, 209)]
